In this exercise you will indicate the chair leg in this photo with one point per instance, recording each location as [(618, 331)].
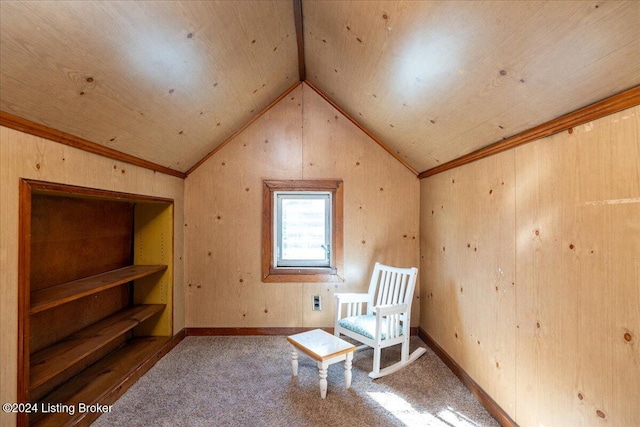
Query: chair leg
[(376, 359), (404, 355)]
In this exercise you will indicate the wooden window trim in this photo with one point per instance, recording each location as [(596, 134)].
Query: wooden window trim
[(272, 274)]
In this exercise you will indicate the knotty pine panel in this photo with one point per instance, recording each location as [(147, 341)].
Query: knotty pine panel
[(187, 75), (467, 228), (568, 222), (578, 213), (435, 80), (302, 137), (547, 282), (381, 198), (223, 200)]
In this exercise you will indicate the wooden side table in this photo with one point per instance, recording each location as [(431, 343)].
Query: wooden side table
[(326, 350)]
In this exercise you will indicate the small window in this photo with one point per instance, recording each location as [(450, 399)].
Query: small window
[(302, 231), (303, 227)]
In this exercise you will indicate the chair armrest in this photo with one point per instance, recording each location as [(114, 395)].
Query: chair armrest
[(344, 298), (352, 304), (384, 310)]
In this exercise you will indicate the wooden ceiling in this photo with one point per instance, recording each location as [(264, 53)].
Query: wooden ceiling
[(165, 81), (168, 82)]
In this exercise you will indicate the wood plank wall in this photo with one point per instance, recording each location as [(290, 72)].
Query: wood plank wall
[(27, 156), (302, 137), (531, 273)]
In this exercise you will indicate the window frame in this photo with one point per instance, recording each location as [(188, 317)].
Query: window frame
[(272, 273)]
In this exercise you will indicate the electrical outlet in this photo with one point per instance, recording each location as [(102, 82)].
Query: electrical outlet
[(316, 303)]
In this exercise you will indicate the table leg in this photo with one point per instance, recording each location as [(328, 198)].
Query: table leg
[(294, 362), (347, 369), (322, 370)]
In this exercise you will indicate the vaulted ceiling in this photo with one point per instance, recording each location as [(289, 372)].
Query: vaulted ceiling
[(168, 82)]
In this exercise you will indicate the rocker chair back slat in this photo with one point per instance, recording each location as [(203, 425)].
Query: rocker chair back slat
[(390, 287)]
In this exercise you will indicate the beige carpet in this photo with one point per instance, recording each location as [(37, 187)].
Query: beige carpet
[(247, 381)]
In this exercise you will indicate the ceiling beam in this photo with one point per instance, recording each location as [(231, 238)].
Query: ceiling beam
[(297, 15), (33, 128), (613, 104)]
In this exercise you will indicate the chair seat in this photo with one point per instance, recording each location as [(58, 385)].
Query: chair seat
[(365, 325)]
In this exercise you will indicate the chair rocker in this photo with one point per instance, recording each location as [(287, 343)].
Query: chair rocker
[(385, 323)]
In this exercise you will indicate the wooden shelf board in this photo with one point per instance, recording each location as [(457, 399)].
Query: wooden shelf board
[(60, 294), (103, 382), (51, 361)]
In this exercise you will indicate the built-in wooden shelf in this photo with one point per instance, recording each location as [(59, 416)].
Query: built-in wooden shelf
[(103, 382), (95, 300), (56, 295), (50, 361)]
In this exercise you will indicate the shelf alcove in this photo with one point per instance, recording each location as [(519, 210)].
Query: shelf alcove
[(95, 301)]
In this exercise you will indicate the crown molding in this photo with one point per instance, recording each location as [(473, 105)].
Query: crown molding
[(613, 104), (37, 129)]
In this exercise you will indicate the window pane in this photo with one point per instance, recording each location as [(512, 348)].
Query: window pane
[(304, 228), (303, 212)]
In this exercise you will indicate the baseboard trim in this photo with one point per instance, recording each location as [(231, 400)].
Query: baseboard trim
[(174, 341), (485, 400), (204, 332)]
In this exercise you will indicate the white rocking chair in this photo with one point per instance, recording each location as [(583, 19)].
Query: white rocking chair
[(384, 324)]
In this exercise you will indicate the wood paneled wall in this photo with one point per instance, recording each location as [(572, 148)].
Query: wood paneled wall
[(27, 156), (530, 274), (302, 137)]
